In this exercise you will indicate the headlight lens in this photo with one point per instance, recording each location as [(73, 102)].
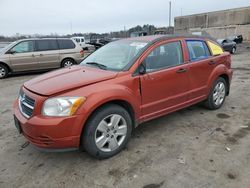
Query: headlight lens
[(62, 106)]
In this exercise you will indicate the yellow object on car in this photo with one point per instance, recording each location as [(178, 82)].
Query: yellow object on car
[(215, 49)]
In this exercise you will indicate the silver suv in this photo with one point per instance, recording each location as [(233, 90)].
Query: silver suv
[(39, 54)]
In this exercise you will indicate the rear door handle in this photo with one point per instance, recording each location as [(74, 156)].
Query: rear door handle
[(182, 70), (41, 54), (212, 62)]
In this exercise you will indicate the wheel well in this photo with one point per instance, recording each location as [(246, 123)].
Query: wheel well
[(226, 78), (121, 103), (9, 69), (67, 58), (127, 107)]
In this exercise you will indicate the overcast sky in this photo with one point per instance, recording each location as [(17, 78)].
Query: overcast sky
[(57, 16)]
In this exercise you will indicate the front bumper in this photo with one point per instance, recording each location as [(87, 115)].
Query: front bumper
[(51, 133)]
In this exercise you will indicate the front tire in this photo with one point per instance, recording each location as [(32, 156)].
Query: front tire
[(67, 63), (107, 131), (4, 71), (217, 94)]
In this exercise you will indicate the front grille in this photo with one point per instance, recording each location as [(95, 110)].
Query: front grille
[(26, 105)]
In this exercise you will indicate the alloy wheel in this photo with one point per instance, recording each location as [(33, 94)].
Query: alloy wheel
[(111, 133), (2, 72), (219, 93), (68, 63), (233, 50)]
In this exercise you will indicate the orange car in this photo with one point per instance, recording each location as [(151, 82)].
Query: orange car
[(97, 104)]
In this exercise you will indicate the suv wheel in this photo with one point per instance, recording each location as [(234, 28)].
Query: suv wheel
[(107, 131), (67, 63), (217, 94), (3, 71)]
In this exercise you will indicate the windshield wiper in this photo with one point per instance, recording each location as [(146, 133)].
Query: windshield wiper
[(101, 66)]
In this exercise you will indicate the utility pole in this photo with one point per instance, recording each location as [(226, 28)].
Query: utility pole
[(125, 34), (170, 14)]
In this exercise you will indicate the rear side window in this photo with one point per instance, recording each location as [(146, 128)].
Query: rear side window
[(46, 45), (66, 44), (215, 48), (164, 56), (197, 50)]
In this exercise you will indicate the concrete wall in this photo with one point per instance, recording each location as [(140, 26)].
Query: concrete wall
[(219, 24), (224, 32)]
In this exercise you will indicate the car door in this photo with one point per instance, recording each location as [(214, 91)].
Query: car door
[(227, 45), (201, 66), (164, 86), (22, 56), (47, 53)]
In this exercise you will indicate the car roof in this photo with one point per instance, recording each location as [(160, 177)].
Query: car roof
[(155, 38), (42, 39)]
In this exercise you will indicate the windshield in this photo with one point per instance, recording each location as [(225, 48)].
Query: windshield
[(115, 55)]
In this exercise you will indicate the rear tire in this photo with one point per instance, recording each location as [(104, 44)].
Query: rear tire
[(217, 94), (4, 71), (67, 63), (233, 51), (107, 131)]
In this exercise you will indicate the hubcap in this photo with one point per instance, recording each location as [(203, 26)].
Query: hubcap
[(111, 133), (2, 72), (219, 93), (234, 50), (68, 64)]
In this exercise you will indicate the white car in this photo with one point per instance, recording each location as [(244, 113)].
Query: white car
[(82, 42)]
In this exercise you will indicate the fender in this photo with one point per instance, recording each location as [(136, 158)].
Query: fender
[(218, 71), (98, 96), (3, 63)]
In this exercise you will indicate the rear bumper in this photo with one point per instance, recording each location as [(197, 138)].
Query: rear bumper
[(78, 61), (51, 133), (230, 73)]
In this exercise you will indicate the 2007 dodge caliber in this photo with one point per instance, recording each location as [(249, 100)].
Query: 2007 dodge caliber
[(97, 104)]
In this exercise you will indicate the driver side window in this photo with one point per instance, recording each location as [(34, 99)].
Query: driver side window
[(164, 56), (23, 47)]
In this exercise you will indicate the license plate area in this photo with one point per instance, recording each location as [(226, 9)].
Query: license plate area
[(18, 125)]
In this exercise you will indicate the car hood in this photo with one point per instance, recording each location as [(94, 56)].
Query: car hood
[(66, 79)]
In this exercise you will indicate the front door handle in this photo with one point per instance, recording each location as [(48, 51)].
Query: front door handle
[(33, 55), (182, 70), (41, 54)]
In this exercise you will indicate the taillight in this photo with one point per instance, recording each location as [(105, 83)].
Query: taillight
[(82, 52)]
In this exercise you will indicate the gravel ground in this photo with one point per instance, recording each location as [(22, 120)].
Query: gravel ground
[(194, 147)]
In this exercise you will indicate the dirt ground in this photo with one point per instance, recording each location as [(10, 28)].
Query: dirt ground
[(194, 147)]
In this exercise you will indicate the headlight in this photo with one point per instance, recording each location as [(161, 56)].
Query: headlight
[(62, 106)]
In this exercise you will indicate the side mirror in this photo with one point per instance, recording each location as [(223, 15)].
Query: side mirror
[(142, 69), (11, 52)]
